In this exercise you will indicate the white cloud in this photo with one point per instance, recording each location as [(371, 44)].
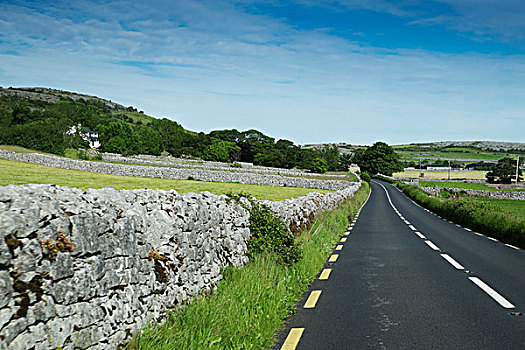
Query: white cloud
[(211, 66)]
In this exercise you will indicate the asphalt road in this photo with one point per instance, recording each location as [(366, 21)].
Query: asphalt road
[(406, 279)]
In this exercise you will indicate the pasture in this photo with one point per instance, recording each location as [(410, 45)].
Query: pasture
[(443, 175), (17, 173)]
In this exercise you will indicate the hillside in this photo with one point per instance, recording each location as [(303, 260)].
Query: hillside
[(41, 119), (460, 152)]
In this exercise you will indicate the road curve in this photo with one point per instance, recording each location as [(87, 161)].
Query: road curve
[(403, 278)]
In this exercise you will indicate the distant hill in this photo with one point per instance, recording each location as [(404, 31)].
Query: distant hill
[(493, 146), (42, 119)]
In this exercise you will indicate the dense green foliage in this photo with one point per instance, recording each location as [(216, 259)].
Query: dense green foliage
[(504, 171), (365, 176), (319, 165), (380, 158), (251, 303), (481, 216), (43, 126), (269, 234)]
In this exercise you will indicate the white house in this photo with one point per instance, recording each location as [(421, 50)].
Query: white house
[(87, 134)]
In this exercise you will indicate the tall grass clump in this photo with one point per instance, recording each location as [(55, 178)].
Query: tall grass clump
[(477, 215), (251, 303)]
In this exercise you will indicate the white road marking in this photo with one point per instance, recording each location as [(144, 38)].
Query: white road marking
[(407, 222), (492, 293), (452, 261), (432, 245), (420, 235), (412, 228)]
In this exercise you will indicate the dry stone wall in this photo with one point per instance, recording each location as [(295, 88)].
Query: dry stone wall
[(208, 165), (89, 268), (174, 173), (436, 191)]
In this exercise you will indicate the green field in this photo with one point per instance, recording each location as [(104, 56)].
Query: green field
[(17, 173), (513, 207), (458, 175), (465, 185), (454, 155)]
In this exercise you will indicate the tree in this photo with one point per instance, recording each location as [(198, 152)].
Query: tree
[(220, 151), (319, 165), (380, 158), (504, 171), (330, 153)]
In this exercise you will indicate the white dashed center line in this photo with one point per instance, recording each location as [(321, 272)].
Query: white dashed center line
[(452, 261), (492, 293), (431, 245), (420, 235)]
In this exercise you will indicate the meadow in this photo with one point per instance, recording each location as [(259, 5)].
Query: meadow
[(17, 173), (465, 185), (443, 175)]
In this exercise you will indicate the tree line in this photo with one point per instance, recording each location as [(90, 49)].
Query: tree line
[(44, 126)]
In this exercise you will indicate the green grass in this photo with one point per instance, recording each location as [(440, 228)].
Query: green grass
[(455, 155), (19, 149), (497, 218), (251, 303), (465, 185), (17, 173), (455, 175), (514, 208)]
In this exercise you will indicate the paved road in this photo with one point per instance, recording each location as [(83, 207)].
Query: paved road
[(406, 279)]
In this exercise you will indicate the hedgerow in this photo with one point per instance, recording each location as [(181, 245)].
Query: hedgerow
[(479, 216)]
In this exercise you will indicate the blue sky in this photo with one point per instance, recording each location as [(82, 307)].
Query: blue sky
[(311, 71)]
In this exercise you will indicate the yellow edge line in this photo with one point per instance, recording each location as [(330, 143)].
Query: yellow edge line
[(312, 299), (291, 341), (325, 274), (343, 240), (493, 239), (467, 229), (333, 258), (479, 234), (511, 246), (339, 247)]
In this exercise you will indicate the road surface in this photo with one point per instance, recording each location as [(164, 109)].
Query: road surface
[(403, 278)]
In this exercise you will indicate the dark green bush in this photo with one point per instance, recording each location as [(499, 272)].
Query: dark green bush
[(383, 178), (365, 176), (269, 234), (478, 216)]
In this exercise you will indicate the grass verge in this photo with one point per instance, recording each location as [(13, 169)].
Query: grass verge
[(17, 173), (477, 214), (252, 302)]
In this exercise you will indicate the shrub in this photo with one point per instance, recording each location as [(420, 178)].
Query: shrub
[(319, 165), (365, 177), (269, 234)]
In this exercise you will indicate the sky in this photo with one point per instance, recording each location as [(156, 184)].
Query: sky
[(353, 71)]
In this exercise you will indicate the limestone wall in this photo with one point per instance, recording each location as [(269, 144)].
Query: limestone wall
[(175, 173), (89, 268), (481, 193)]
